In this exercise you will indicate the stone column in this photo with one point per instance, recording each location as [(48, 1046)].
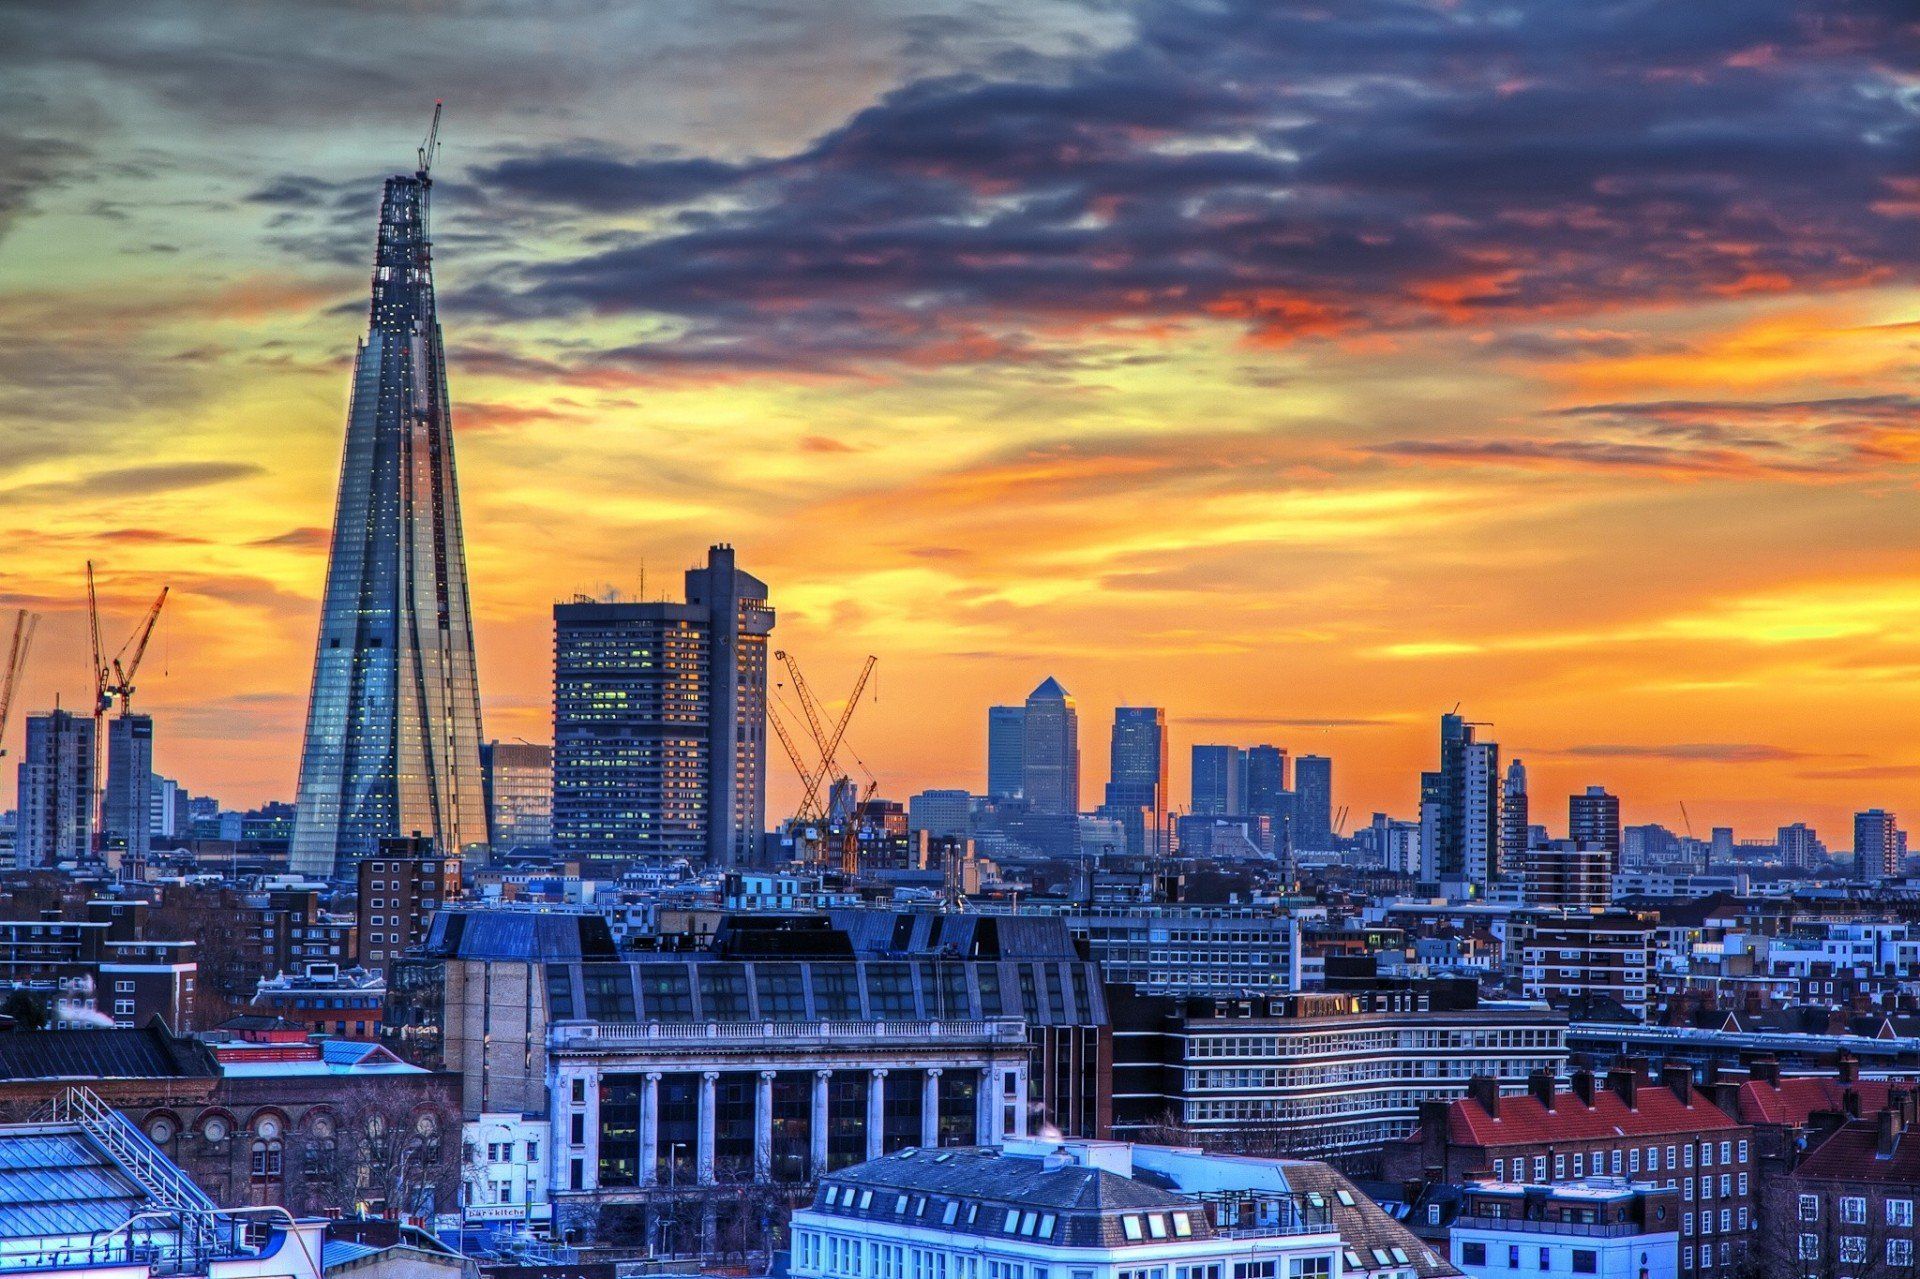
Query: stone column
[(1019, 1101), (763, 1128), (930, 1109), (986, 1105), (703, 1149), (817, 1135), (650, 1129), (876, 1111), (590, 1152)]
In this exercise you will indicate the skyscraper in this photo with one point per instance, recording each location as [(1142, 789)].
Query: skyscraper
[(393, 726), (1218, 775), (1050, 752), (1137, 777), (1876, 845), (56, 791), (127, 807), (1594, 818), (519, 794), (659, 723), (1460, 811), (1512, 862), (1313, 802), (1006, 751)]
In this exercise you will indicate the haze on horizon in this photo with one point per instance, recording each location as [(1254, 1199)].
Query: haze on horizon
[(1305, 370)]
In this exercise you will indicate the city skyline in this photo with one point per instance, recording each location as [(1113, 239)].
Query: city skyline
[(1400, 470)]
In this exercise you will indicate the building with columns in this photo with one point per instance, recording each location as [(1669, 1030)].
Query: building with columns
[(660, 1128)]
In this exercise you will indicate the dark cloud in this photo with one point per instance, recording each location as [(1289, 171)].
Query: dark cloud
[(305, 539), (1686, 752), (133, 481), (1301, 170), (30, 166)]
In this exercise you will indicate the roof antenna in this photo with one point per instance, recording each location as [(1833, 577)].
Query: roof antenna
[(432, 144)]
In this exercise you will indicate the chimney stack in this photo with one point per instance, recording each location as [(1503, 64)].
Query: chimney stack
[(1583, 1087), (1848, 1068), (1540, 1084), (1625, 1081), (1485, 1090), (1850, 1102), (1891, 1124), (1766, 1070), (1678, 1080)]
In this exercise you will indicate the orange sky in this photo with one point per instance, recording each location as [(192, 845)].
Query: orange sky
[(1648, 509)]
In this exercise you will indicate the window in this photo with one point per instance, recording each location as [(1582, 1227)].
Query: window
[(1809, 1247), (1853, 1210), (1853, 1248), (1900, 1252), (1473, 1254), (1310, 1268), (1546, 1259), (1579, 1165), (1686, 1257), (1706, 1154), (1585, 1262), (1129, 1226), (1499, 1170), (1182, 1225), (1726, 1152), (1899, 1212), (1513, 1256), (1743, 1152), (1809, 1207)]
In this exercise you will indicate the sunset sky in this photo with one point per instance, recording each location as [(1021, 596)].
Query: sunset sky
[(1303, 368)]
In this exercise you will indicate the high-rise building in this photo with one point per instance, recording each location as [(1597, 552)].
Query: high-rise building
[(1568, 875), (1876, 845), (56, 791), (1006, 751), (1512, 861), (1050, 760), (167, 812), (519, 794), (126, 809), (1218, 774), (943, 814), (1594, 818), (1800, 847), (1137, 777), (1460, 811), (1313, 802), (659, 723), (393, 725)]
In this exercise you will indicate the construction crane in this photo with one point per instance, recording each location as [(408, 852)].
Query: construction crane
[(23, 627), (113, 680), (827, 741), (432, 144)]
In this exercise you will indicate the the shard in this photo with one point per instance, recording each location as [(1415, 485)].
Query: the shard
[(393, 726)]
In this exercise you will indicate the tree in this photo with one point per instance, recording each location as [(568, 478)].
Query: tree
[(25, 1010)]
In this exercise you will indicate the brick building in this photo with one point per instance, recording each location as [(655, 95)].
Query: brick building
[(1846, 1207), (1667, 1134), (399, 891)]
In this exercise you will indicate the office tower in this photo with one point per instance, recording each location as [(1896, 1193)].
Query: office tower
[(1721, 847), (1313, 802), (1050, 752), (1594, 818), (56, 791), (1218, 772), (943, 814), (519, 779), (126, 808), (1800, 847), (1265, 787), (1876, 845), (1460, 811), (1514, 839), (166, 811), (659, 723), (393, 726), (1137, 777), (1568, 874), (1006, 751)]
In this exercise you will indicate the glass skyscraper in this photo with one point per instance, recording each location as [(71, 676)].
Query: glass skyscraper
[(393, 726)]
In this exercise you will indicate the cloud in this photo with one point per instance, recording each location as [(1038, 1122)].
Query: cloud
[(304, 539), (1862, 773), (1295, 171), (133, 481), (1685, 752)]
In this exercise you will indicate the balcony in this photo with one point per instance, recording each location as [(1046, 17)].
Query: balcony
[(1577, 1229), (586, 1035)]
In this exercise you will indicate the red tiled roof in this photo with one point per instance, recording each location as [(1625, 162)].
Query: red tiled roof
[(1853, 1155), (1793, 1101), (1524, 1121)]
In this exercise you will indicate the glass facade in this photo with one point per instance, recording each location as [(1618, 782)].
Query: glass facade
[(393, 726)]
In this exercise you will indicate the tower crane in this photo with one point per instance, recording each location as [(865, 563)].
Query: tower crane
[(432, 144), (23, 627), (827, 741), (113, 680)]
